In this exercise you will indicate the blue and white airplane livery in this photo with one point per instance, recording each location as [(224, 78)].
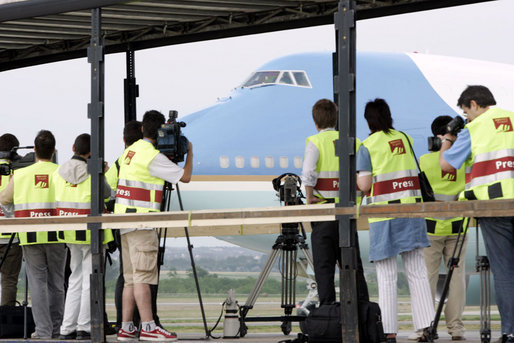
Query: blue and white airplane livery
[(259, 131)]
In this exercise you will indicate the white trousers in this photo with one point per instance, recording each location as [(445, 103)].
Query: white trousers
[(77, 310), (419, 287)]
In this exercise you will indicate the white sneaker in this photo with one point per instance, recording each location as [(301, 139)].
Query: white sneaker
[(415, 335)]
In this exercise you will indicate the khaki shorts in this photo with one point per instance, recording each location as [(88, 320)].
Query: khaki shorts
[(139, 253)]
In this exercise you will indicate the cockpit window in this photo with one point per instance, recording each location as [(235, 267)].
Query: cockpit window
[(296, 78), (262, 77), (286, 79), (301, 78)]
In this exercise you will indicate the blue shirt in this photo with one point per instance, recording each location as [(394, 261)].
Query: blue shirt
[(460, 151), (363, 159)]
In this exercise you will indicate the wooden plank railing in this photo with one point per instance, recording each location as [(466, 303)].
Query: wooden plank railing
[(266, 220)]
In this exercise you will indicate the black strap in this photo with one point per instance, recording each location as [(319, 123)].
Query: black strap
[(117, 164), (413, 153)]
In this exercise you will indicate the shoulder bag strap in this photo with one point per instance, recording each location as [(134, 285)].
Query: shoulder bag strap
[(413, 153)]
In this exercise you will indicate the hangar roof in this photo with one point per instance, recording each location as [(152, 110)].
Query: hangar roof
[(40, 31)]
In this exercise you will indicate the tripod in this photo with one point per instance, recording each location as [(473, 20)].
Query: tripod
[(166, 206), (482, 266), (452, 264), (286, 245)]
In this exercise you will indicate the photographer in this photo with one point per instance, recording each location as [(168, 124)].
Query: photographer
[(486, 147), (443, 232), (31, 190), (11, 267), (320, 175), (73, 197), (384, 159), (143, 172)]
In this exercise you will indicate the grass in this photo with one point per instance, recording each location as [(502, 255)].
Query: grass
[(181, 312)]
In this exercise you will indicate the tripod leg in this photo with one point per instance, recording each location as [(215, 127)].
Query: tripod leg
[(252, 297), (483, 267), (308, 256), (452, 264)]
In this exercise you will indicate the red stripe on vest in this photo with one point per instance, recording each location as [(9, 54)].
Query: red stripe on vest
[(396, 185), (61, 211), (139, 194), (327, 184), (132, 193), (491, 167), (35, 213)]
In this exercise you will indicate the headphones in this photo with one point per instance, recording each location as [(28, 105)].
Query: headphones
[(278, 181)]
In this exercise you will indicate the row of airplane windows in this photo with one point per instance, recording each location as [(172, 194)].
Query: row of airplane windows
[(255, 162)]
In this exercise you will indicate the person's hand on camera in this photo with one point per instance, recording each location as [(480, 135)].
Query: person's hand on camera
[(447, 137)]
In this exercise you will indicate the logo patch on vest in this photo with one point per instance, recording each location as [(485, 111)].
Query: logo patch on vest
[(502, 124), (397, 147), (449, 176), (41, 181), (129, 156)]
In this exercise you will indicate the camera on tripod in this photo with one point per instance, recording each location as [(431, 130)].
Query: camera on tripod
[(170, 140), (453, 127), (16, 161), (288, 187)]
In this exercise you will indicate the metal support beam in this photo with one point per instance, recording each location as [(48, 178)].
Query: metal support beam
[(131, 89), (344, 89), (96, 166)]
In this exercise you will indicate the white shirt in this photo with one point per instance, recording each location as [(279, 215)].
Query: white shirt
[(310, 160)]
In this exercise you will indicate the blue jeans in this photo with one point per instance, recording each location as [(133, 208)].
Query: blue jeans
[(498, 236)]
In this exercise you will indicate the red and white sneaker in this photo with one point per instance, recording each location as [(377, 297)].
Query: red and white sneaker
[(158, 334), (127, 335)]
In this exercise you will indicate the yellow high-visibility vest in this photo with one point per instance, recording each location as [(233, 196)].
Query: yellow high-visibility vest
[(4, 180), (327, 167), (137, 190), (490, 170), (446, 186), (394, 174), (70, 200), (34, 196)]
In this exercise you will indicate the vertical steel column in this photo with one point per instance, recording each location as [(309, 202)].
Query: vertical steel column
[(344, 88), (131, 89), (95, 56)]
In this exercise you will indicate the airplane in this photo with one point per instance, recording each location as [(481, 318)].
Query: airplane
[(258, 132)]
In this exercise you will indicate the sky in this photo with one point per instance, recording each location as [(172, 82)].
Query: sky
[(192, 76)]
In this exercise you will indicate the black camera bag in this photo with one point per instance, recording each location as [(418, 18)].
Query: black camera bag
[(11, 321), (323, 324)]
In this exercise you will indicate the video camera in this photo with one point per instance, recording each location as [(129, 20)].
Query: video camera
[(453, 127), (170, 140), (288, 187), (17, 161)]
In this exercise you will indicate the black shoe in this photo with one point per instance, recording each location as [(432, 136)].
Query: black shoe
[(111, 329), (389, 339), (426, 336), (83, 335), (72, 335)]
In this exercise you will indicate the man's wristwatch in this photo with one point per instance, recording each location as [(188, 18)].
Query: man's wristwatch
[(447, 139)]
